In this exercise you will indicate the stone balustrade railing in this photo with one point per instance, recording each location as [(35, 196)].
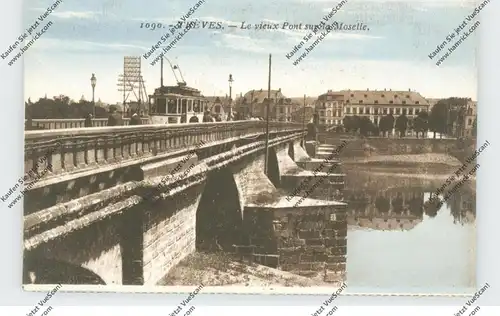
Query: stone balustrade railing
[(75, 123), (60, 151)]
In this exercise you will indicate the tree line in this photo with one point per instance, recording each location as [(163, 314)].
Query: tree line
[(62, 107), (444, 115)]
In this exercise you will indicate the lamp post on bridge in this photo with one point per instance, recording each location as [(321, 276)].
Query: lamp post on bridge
[(230, 114), (93, 81)]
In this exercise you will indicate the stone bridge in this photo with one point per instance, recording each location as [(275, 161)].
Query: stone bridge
[(124, 205)]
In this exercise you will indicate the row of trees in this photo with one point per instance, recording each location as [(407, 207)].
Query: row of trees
[(444, 115), (62, 107), (387, 123)]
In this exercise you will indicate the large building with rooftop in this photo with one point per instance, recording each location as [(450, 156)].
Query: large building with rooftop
[(373, 104)]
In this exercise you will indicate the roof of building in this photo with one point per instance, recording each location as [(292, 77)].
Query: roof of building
[(300, 100), (260, 95), (218, 99), (382, 97)]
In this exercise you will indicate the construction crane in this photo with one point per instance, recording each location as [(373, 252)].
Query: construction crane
[(174, 68)]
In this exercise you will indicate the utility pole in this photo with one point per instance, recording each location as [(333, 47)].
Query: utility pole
[(161, 72), (266, 161), (304, 118)]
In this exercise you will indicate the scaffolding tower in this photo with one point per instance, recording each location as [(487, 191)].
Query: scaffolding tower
[(132, 85)]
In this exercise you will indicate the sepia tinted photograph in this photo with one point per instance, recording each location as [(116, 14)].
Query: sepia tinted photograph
[(295, 146)]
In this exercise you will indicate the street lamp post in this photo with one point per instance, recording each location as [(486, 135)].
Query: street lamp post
[(304, 118), (93, 81), (230, 97)]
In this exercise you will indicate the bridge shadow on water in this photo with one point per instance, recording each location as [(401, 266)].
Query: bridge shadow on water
[(219, 214)]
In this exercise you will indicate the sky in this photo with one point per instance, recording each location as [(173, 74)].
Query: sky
[(93, 36)]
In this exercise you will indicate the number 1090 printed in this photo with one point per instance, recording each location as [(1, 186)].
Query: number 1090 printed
[(191, 24)]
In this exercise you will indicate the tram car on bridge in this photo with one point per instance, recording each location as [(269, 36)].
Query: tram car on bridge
[(177, 104)]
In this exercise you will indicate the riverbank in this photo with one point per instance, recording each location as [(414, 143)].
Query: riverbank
[(217, 269), (405, 160), (432, 169)]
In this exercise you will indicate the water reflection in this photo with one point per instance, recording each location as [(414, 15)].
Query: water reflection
[(399, 241), (390, 203)]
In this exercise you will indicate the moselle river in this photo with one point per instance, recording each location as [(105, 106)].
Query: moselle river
[(398, 243)]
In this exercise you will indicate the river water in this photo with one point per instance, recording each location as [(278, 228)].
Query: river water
[(398, 244)]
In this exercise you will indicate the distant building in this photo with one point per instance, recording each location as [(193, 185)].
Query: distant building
[(298, 114), (330, 108), (463, 126), (470, 116), (218, 106), (333, 106), (254, 102)]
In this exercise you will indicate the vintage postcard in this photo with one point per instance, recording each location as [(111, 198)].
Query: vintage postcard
[(209, 146)]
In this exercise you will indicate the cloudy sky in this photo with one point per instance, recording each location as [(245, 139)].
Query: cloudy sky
[(93, 36)]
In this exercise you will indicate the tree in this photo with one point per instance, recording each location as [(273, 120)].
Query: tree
[(417, 205), (382, 204), (61, 107), (421, 123), (438, 119), (401, 125), (431, 208), (445, 114), (366, 126), (352, 123), (397, 203), (386, 124)]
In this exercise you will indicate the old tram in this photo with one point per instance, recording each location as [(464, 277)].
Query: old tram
[(176, 105)]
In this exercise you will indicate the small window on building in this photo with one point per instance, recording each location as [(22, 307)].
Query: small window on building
[(376, 102), (407, 96), (366, 95), (391, 102), (352, 95), (410, 111), (417, 102), (360, 101), (383, 95), (404, 101)]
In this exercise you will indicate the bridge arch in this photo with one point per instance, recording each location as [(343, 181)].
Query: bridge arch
[(219, 214), (40, 270)]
